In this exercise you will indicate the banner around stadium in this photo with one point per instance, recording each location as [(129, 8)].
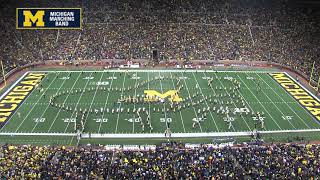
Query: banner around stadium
[(49, 18)]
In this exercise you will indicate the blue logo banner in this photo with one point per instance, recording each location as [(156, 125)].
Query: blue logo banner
[(49, 18)]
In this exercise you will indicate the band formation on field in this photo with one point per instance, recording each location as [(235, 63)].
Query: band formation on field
[(156, 104)]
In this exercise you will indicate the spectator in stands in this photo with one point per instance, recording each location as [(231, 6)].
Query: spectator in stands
[(282, 161), (193, 30)]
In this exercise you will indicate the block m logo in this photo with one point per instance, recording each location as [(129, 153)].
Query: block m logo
[(30, 19), (152, 95)]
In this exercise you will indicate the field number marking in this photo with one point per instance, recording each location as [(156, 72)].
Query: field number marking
[(37, 120)]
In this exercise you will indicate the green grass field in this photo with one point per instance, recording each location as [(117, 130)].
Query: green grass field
[(54, 109)]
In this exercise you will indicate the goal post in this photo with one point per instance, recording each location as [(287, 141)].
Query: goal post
[(3, 75), (315, 84), (318, 84), (311, 75)]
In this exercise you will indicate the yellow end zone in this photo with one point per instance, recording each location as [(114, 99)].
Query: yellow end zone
[(300, 94), (14, 97)]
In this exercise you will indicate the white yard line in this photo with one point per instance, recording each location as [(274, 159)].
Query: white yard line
[(35, 104), (251, 109), (205, 101), (233, 102), (105, 104), (260, 103), (266, 95), (198, 135), (94, 96), (164, 105), (64, 103), (161, 135), (173, 85), (134, 104), (124, 79), (149, 101), (214, 92), (191, 100), (47, 106), (283, 99), (77, 104), (102, 103)]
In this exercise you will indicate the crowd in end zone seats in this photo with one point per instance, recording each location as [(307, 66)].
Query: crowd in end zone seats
[(282, 161), (195, 30)]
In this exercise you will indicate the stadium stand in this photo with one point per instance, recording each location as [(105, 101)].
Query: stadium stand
[(198, 30), (170, 161)]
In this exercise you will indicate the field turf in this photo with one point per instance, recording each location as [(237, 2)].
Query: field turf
[(93, 92)]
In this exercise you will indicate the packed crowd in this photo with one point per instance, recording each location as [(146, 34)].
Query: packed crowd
[(180, 30), (170, 161)]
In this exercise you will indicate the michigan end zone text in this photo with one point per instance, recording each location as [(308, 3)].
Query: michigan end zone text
[(300, 94), (16, 95)]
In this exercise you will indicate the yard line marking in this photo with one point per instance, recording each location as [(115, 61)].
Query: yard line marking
[(260, 103), (160, 135), (283, 99), (191, 100), (124, 79), (233, 101), (106, 102), (94, 96), (64, 102), (164, 105), (246, 100), (102, 103), (205, 101), (288, 102), (149, 101), (34, 105), (153, 88), (48, 106), (77, 104), (134, 104), (274, 105), (184, 130), (218, 101)]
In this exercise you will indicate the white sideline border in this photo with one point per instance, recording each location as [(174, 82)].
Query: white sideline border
[(13, 85), (161, 135), (302, 86), (310, 93)]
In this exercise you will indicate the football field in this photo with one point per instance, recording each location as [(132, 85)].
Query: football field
[(146, 104)]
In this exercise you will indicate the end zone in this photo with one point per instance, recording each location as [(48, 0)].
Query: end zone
[(17, 93), (299, 93)]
